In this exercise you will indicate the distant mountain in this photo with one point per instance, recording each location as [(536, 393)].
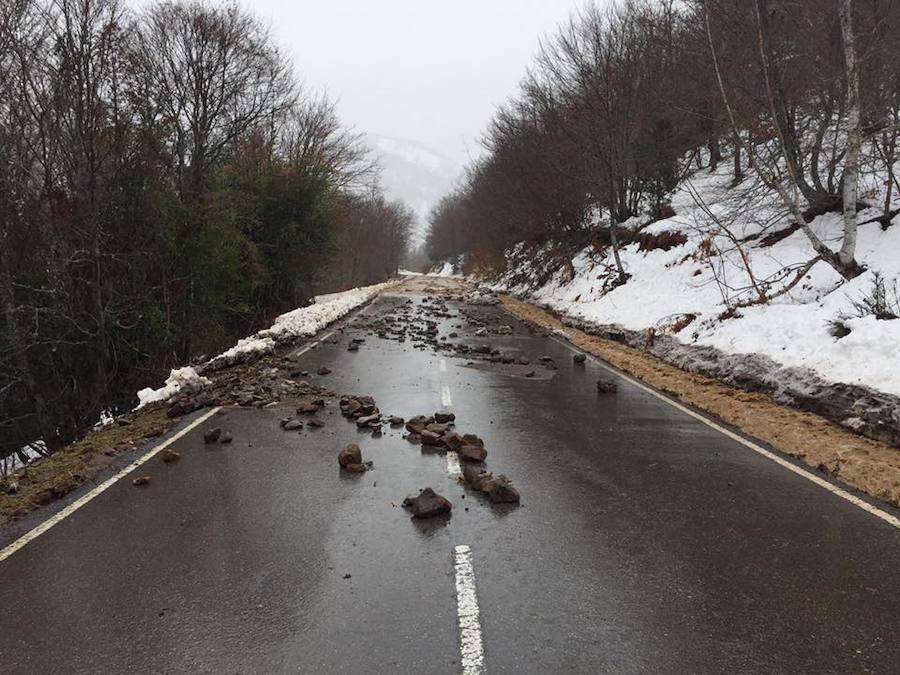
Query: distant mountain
[(414, 173)]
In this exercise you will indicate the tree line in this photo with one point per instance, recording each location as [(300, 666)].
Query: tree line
[(166, 186), (625, 101)]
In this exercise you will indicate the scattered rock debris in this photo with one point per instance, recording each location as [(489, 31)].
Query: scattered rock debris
[(140, 480)]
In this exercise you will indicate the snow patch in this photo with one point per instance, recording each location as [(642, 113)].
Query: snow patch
[(299, 323), (181, 381), (666, 286)]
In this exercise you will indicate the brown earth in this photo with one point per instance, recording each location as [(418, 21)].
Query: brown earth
[(866, 464), (50, 478)]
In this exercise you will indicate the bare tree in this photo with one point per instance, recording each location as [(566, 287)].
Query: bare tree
[(216, 74)]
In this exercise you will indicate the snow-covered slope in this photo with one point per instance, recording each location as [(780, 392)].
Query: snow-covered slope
[(415, 174), (685, 293)]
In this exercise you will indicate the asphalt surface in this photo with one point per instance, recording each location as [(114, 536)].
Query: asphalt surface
[(646, 542)]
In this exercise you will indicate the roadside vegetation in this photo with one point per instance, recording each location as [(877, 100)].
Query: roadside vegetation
[(626, 102), (166, 186)]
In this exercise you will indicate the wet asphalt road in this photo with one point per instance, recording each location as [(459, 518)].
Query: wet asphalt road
[(645, 542)]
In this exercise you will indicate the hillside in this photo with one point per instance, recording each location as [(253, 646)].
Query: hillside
[(689, 297), (415, 174)]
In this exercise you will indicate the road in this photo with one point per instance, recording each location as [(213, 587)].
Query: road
[(646, 541)]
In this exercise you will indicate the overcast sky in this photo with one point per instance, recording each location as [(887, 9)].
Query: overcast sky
[(428, 70)]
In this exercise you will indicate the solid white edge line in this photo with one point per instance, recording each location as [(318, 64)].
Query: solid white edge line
[(471, 645), (84, 499), (890, 519), (314, 343)]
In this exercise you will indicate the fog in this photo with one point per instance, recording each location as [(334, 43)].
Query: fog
[(428, 71)]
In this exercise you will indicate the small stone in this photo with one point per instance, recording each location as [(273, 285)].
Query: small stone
[(444, 417), (307, 408), (226, 438), (579, 358), (395, 421), (499, 491), (140, 480), (349, 456), (530, 373), (607, 386), (169, 456), (418, 423), (428, 504), (472, 453), (475, 476), (212, 435), (368, 421), (353, 347), (323, 370), (292, 425), (356, 468), (451, 440), (315, 422), (430, 438)]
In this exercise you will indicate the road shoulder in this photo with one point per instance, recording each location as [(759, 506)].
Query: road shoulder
[(868, 465)]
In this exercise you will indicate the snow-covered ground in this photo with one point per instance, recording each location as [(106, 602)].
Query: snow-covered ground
[(299, 323), (445, 270), (667, 286)]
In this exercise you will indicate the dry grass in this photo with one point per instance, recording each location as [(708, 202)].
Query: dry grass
[(51, 478), (868, 465)]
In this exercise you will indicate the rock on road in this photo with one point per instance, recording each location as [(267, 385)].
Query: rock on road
[(645, 541)]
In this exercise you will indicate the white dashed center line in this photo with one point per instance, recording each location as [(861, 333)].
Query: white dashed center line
[(446, 401), (442, 366), (453, 467), (471, 647)]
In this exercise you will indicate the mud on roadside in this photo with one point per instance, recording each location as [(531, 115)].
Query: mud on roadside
[(868, 465)]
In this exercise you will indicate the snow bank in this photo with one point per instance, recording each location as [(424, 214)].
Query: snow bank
[(298, 323), (795, 330), (181, 381)]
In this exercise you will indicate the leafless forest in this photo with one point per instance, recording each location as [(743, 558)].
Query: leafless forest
[(802, 96), (165, 187)]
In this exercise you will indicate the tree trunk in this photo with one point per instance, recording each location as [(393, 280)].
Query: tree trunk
[(854, 139), (738, 170), (715, 153), (614, 244)]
